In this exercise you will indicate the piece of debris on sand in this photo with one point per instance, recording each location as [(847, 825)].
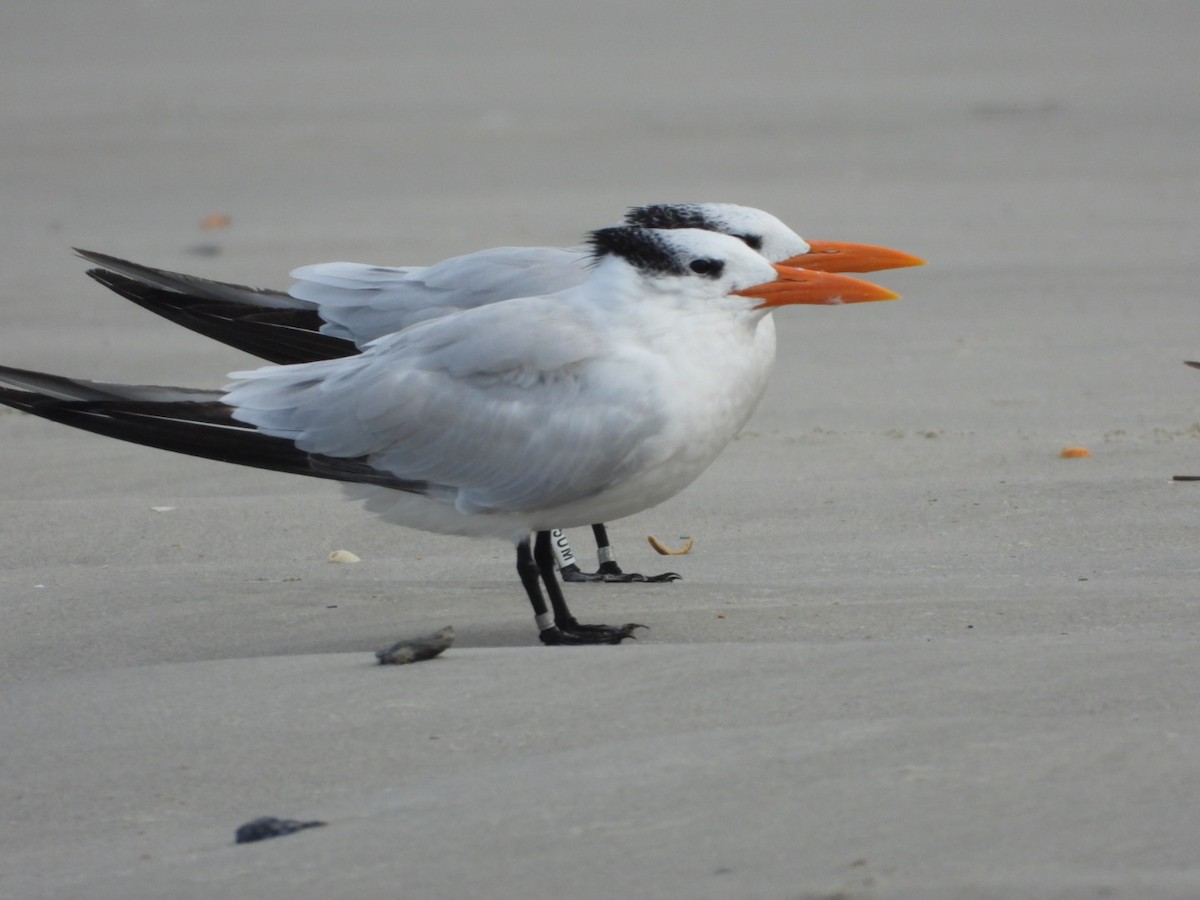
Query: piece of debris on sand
[(266, 827), (416, 649)]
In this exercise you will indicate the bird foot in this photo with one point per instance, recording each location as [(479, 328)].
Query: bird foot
[(575, 633), (664, 578), (610, 573)]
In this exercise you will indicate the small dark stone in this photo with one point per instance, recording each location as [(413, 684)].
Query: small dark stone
[(269, 827)]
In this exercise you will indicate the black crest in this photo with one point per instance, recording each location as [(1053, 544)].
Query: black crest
[(642, 248), (668, 215)]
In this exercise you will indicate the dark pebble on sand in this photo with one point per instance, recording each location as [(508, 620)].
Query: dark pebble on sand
[(269, 827)]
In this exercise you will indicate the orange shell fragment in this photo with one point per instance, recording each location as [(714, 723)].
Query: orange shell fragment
[(664, 550), (1075, 453)]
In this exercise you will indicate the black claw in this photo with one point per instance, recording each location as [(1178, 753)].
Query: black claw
[(635, 578), (578, 627), (579, 634), (607, 575), (612, 572), (665, 577)]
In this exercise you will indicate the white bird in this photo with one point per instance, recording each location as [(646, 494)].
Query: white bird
[(336, 308), (508, 419)]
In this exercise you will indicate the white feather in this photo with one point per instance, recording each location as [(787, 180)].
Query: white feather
[(539, 412)]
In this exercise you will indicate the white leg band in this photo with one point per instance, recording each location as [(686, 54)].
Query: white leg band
[(562, 550)]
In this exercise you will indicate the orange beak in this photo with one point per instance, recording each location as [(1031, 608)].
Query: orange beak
[(835, 256), (804, 286)]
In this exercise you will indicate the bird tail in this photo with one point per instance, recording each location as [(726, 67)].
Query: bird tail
[(182, 420), (265, 323)]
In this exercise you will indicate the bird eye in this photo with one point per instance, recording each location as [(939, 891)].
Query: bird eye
[(710, 267), (753, 241)]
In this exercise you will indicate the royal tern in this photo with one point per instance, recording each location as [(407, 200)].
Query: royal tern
[(505, 420), (336, 308)]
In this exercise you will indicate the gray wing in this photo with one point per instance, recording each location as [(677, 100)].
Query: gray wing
[(512, 406), (362, 302)]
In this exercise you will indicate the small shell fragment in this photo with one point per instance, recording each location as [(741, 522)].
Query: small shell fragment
[(343, 556), (1075, 453), (161, 508), (416, 649), (214, 221), (663, 550)]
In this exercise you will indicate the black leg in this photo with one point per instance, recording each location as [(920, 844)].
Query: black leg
[(608, 562), (609, 571), (562, 627), (528, 570)]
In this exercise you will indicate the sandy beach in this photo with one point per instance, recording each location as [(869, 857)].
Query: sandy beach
[(915, 652)]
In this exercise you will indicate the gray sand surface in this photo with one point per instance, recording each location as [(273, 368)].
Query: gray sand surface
[(915, 653)]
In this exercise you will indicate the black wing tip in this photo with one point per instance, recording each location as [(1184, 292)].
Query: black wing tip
[(109, 278), (204, 429), (10, 371), (100, 259), (16, 399), (1191, 362), (281, 336)]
